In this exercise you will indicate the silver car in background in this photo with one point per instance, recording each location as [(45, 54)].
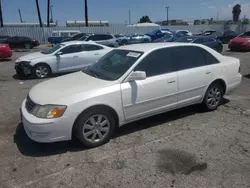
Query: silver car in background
[(104, 39)]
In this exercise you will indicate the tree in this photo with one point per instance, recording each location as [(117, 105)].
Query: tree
[(236, 12), (145, 19), (86, 13), (246, 21)]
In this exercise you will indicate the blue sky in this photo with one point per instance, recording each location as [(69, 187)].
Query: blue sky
[(116, 11)]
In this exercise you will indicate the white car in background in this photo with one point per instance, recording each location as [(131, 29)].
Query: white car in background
[(129, 83), (182, 33), (65, 57)]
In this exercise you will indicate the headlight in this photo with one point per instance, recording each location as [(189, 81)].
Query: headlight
[(49, 111), (247, 42)]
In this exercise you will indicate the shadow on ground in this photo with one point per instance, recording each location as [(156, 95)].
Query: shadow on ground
[(247, 76), (5, 60), (30, 148)]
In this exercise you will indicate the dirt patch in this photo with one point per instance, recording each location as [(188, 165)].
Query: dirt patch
[(179, 162)]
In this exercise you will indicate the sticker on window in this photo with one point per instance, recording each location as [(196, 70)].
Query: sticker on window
[(133, 54)]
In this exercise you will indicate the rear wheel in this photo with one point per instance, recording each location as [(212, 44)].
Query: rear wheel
[(27, 46), (41, 70), (95, 127), (213, 97)]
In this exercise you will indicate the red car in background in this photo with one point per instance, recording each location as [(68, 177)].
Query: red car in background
[(242, 42), (5, 51)]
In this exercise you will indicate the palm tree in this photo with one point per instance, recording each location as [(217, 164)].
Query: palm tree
[(1, 14), (48, 10), (39, 15), (236, 12), (86, 13)]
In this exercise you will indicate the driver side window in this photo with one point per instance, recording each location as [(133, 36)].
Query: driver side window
[(156, 63), (71, 49)]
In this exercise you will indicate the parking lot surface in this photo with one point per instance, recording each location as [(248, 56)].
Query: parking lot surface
[(185, 148)]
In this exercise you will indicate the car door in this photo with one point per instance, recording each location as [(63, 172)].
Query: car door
[(69, 60), (194, 75), (90, 53), (210, 42), (158, 92), (13, 42)]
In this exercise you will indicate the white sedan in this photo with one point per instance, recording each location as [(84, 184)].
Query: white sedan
[(129, 83), (64, 57)]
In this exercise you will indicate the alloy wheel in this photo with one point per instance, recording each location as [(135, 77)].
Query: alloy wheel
[(96, 128), (213, 97), (42, 71)]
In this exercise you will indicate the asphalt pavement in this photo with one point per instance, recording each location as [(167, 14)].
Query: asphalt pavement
[(185, 148)]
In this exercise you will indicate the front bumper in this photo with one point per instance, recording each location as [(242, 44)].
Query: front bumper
[(46, 130), (239, 46), (25, 69)]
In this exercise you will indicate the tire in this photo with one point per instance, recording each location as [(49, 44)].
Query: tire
[(27, 46), (124, 42), (88, 129), (219, 49), (41, 70), (213, 97)]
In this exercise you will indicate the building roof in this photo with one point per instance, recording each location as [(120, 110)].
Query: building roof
[(144, 25), (147, 47), (80, 42)]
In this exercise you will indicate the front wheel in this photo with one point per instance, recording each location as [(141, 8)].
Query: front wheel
[(27, 46), (41, 70), (213, 97), (95, 127)]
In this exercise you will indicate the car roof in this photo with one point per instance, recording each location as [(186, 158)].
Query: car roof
[(80, 42), (196, 37), (147, 47)]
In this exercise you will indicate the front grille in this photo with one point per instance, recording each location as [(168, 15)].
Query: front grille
[(30, 105)]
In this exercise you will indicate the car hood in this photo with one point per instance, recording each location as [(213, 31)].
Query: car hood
[(53, 90), (240, 39), (31, 56)]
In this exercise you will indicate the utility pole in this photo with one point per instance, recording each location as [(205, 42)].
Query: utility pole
[(51, 14), (86, 14), (48, 11), (167, 13), (1, 14), (39, 15), (20, 15), (217, 16), (129, 17)]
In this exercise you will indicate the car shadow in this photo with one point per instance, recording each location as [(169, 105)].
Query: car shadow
[(30, 148), (247, 76), (237, 51), (5, 60), (23, 77)]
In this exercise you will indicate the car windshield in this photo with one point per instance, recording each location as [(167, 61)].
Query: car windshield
[(245, 35), (84, 38), (52, 49), (114, 64), (184, 39)]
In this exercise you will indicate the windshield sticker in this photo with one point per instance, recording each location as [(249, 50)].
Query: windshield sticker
[(133, 54)]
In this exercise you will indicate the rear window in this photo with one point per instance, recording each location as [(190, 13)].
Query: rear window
[(245, 35), (184, 39)]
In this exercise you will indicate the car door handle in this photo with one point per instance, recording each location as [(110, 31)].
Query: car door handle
[(75, 56), (172, 81), (208, 72)]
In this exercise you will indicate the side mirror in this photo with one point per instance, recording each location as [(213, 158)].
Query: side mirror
[(137, 75), (59, 53)]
